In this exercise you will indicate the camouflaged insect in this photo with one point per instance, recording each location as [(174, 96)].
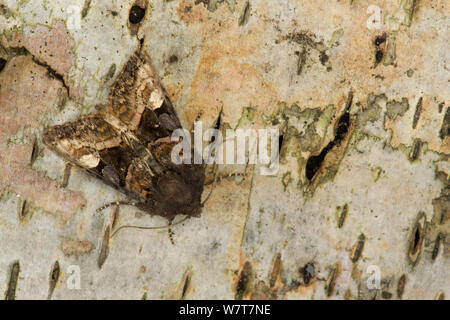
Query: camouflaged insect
[(128, 144)]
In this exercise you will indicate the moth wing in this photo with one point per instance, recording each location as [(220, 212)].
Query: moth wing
[(139, 101), (138, 104), (96, 146)]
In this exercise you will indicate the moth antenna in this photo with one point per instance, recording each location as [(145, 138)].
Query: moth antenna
[(116, 203), (148, 228), (171, 236), (171, 233), (219, 119)]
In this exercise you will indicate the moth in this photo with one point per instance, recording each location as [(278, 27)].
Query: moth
[(128, 144)]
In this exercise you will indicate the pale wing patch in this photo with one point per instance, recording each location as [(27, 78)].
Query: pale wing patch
[(156, 99), (89, 161), (70, 148), (66, 145), (110, 143)]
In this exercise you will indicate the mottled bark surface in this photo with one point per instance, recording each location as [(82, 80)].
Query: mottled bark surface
[(361, 191)]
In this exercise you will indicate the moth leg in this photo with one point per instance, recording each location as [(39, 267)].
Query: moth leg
[(171, 233), (235, 174), (116, 203)]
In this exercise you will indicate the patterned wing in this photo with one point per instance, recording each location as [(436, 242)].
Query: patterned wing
[(94, 145), (139, 103)]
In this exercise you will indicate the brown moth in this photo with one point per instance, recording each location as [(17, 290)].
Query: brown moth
[(128, 144)]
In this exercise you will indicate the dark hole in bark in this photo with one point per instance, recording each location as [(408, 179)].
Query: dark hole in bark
[(380, 39), (280, 142), (55, 272), (217, 125), (437, 244), (401, 286), (379, 56), (34, 151), (2, 64), (342, 129), (417, 235), (23, 210), (308, 273), (323, 57), (244, 277), (315, 162), (173, 59), (13, 279), (445, 128), (187, 282), (136, 14), (219, 121)]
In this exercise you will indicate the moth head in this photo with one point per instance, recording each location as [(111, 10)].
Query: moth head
[(177, 196)]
